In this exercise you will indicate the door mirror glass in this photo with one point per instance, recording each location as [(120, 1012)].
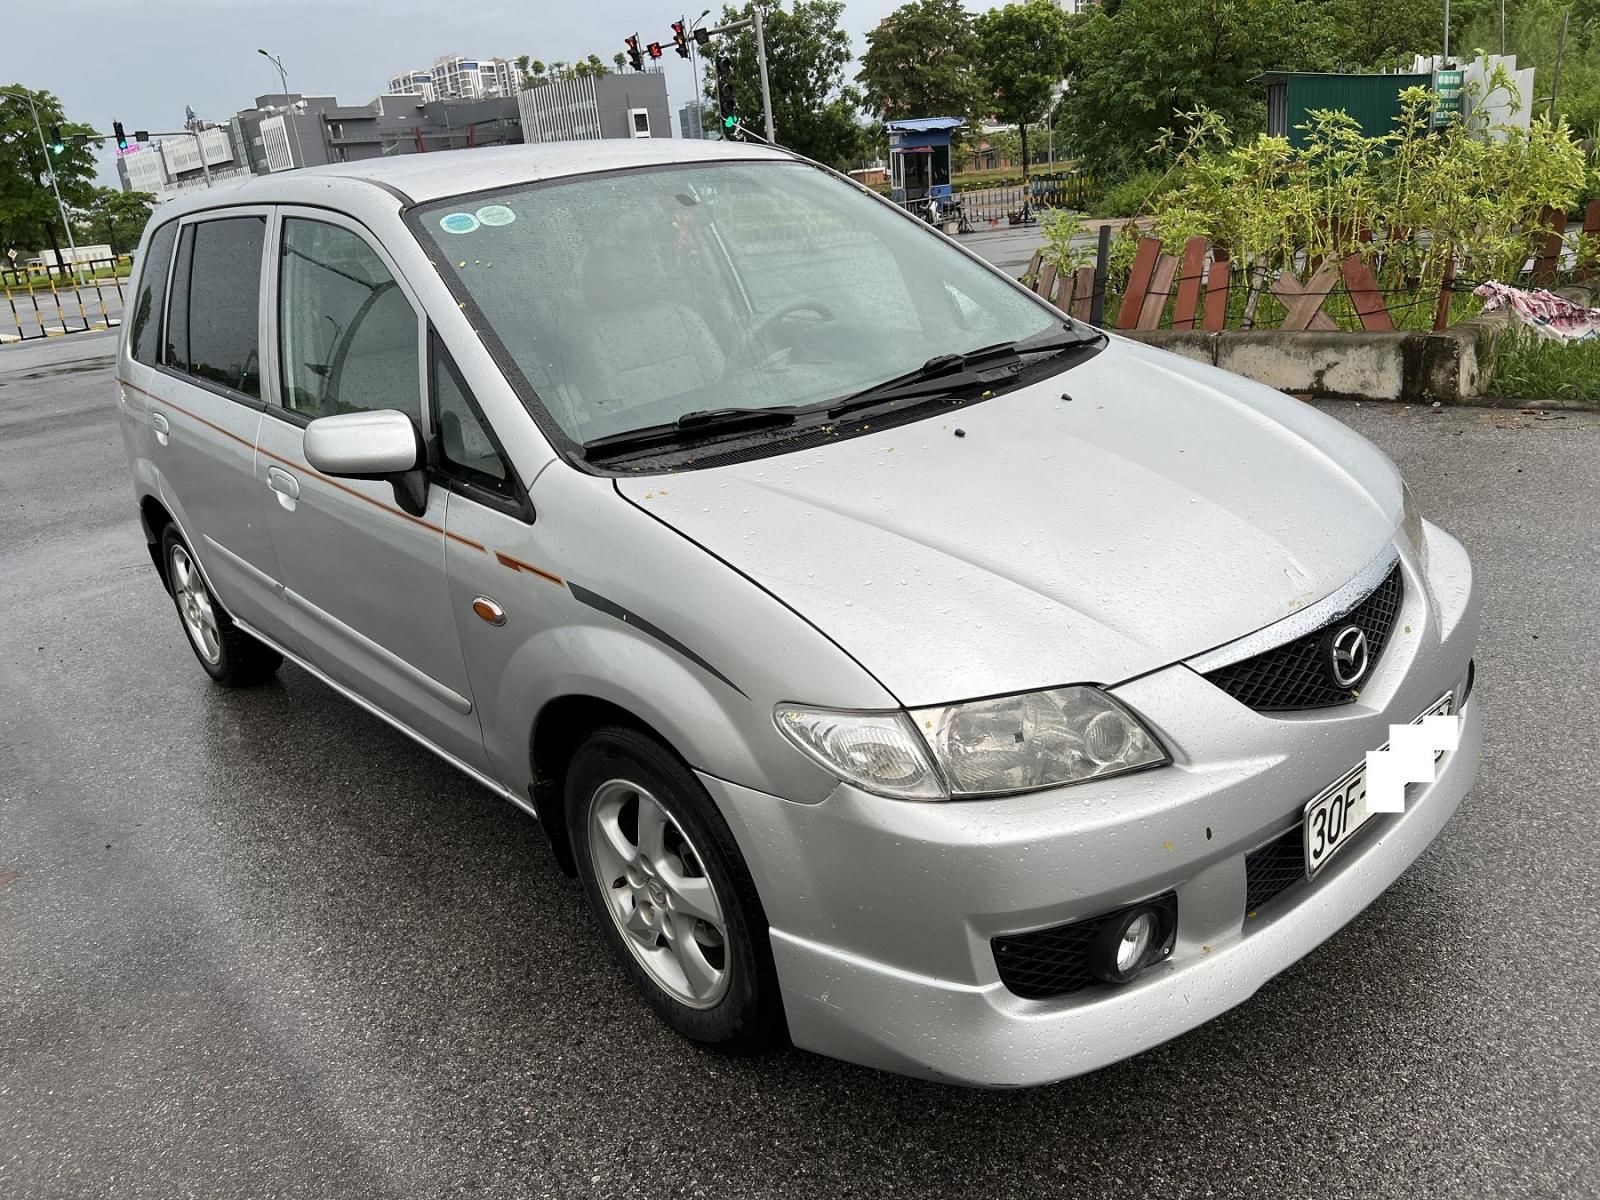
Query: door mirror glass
[(364, 445)]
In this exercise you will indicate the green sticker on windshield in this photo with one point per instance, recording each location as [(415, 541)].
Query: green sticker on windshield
[(458, 223), (495, 214)]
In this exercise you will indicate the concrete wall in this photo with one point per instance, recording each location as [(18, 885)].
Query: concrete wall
[(616, 94), (1355, 366)]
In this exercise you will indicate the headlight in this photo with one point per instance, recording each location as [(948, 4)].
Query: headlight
[(1411, 526), (982, 748), (1035, 740)]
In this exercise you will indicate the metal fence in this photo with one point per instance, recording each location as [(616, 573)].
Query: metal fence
[(39, 305), (986, 207)]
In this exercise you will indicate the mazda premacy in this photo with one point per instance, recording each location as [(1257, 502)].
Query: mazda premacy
[(903, 669)]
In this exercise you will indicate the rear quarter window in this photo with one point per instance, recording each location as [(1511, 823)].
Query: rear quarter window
[(144, 339)]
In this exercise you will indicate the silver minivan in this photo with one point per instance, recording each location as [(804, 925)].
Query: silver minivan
[(903, 669)]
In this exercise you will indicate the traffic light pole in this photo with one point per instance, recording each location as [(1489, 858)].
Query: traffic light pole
[(60, 206), (761, 62)]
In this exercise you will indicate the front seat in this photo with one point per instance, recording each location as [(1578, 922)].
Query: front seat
[(631, 343)]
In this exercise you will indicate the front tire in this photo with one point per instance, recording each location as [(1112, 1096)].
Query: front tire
[(671, 892), (229, 655)]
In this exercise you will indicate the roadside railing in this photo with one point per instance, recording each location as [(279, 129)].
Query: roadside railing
[(35, 305)]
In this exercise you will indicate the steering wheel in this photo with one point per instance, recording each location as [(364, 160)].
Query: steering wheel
[(756, 334)]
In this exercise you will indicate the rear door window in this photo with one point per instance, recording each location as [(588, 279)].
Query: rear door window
[(213, 330)]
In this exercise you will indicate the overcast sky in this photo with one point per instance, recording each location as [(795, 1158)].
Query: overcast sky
[(141, 61)]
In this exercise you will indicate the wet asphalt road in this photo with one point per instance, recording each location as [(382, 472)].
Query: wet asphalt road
[(258, 945)]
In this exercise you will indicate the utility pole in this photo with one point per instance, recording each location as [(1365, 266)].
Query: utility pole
[(60, 206), (194, 126), (1502, 27), (761, 61), (1446, 61)]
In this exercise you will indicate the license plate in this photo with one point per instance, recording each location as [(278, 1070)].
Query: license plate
[(1334, 815)]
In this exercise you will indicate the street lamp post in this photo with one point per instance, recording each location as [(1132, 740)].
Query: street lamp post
[(283, 77), (60, 205), (694, 70)]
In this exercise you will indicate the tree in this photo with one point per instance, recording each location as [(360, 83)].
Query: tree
[(1373, 34), (813, 109), (921, 62), (113, 212), (1024, 50), (28, 212), (1130, 75), (618, 60)]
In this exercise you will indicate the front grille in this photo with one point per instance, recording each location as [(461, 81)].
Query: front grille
[(1055, 962), (1296, 675), (1270, 869)]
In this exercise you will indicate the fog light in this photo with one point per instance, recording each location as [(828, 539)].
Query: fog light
[(1131, 941)]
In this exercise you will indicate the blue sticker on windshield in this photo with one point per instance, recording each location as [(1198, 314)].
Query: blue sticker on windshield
[(458, 223), (495, 214)]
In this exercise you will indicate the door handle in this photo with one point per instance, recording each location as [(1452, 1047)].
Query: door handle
[(285, 485), (159, 424)]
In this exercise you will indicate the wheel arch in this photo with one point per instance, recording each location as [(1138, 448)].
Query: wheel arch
[(155, 518), (559, 729)]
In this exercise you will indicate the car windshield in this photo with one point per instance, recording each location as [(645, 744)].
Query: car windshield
[(625, 300)]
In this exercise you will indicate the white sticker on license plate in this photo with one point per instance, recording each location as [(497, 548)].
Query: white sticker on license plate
[(1334, 815)]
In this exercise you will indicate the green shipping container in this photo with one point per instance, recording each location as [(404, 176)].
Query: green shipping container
[(1373, 100)]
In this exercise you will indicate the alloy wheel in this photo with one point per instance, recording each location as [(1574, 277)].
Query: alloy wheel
[(655, 886), (194, 606)]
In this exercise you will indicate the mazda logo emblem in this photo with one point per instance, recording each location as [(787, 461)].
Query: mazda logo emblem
[(1347, 656)]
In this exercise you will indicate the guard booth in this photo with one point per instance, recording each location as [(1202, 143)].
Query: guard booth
[(919, 158)]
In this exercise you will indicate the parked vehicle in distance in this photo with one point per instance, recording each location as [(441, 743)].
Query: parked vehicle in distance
[(901, 667)]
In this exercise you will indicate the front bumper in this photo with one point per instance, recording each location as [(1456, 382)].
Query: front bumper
[(882, 912)]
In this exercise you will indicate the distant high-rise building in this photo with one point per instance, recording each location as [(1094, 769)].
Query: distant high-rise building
[(690, 124), (458, 77), (413, 83)]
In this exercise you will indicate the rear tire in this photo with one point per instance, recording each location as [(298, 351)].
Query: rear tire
[(229, 655), (671, 892)]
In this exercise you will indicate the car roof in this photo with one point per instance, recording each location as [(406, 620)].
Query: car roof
[(424, 177)]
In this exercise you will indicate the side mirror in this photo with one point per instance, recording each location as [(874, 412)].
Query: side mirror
[(384, 445)]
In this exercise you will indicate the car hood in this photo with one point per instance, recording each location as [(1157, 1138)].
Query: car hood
[(1035, 539)]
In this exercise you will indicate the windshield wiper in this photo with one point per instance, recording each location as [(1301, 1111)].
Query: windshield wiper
[(949, 374), (941, 375), (691, 425)]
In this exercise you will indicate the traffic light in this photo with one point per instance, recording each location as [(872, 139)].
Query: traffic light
[(58, 144), (635, 59), (680, 39), (654, 50), (122, 138), (701, 36), (726, 104)]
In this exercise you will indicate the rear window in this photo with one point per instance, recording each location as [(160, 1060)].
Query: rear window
[(145, 338), (213, 328)]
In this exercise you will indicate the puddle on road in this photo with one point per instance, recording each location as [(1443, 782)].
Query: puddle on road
[(82, 367)]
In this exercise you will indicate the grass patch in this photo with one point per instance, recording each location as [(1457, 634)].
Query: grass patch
[(1527, 366)]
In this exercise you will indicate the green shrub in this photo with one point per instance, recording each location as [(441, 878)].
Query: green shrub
[(1133, 196)]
